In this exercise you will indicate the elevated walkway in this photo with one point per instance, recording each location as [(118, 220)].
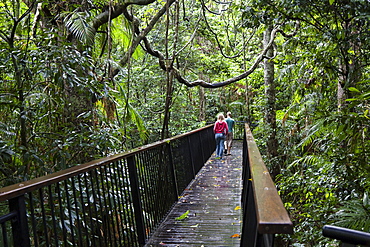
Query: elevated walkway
[(138, 197), (213, 203)]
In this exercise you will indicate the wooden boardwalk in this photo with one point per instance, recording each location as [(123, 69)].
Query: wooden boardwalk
[(213, 202)]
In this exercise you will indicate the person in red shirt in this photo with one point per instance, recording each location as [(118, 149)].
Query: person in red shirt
[(220, 129)]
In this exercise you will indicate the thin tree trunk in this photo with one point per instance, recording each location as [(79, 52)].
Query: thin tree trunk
[(270, 111), (166, 120), (202, 104)]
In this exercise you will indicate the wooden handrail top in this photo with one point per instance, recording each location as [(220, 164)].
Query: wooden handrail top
[(272, 217), (22, 188)]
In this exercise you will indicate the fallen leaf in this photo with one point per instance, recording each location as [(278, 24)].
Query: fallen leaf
[(183, 216), (237, 208), (195, 225), (235, 236)]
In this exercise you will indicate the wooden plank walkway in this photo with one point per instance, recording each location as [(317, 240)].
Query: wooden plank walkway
[(213, 200)]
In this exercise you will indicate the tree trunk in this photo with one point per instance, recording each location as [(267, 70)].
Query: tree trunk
[(270, 112), (166, 120), (202, 104)]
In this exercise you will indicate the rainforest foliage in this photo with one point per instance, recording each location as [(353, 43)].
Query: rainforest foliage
[(85, 79)]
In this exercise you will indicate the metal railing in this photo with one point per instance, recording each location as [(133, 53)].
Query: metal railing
[(348, 237), (114, 201), (264, 214)]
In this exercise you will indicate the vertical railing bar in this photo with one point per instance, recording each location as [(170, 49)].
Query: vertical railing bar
[(151, 158), (95, 213), (191, 155), (268, 240), (206, 147), (124, 192), (159, 173), (33, 220), (69, 213), (156, 176), (84, 222), (21, 235), (170, 179), (211, 141), (120, 200), (53, 215), (158, 196), (250, 220), (122, 197), (87, 213), (173, 172), (100, 204), (135, 191), (41, 196), (152, 174), (142, 162), (201, 149), (64, 230), (114, 209), (77, 213), (5, 234), (129, 205), (117, 202), (163, 178), (107, 206)]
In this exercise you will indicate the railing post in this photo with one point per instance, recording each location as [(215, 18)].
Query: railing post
[(21, 237), (136, 199)]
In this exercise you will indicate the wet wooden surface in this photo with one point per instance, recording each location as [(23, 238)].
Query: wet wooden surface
[(213, 202)]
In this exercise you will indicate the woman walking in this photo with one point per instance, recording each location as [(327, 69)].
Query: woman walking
[(220, 129)]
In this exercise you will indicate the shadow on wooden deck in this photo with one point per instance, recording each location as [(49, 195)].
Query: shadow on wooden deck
[(213, 200)]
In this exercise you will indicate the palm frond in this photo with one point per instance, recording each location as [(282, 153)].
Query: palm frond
[(76, 23), (139, 123), (134, 117), (353, 215), (308, 160), (315, 131)]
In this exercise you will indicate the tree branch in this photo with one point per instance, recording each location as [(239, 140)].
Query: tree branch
[(205, 84)]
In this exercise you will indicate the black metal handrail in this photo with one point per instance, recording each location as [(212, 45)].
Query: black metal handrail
[(264, 214), (114, 201), (348, 237)]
